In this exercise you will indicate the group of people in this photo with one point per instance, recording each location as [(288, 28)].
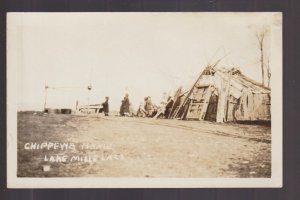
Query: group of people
[(124, 109), (146, 109)]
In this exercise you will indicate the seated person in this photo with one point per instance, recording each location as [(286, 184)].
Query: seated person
[(148, 106)]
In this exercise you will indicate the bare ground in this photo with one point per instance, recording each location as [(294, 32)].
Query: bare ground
[(139, 147)]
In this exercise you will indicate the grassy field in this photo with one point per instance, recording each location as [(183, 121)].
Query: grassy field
[(98, 146)]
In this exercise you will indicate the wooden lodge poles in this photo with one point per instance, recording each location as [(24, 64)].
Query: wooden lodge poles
[(176, 99), (182, 105)]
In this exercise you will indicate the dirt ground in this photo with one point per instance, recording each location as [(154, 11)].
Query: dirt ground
[(140, 147)]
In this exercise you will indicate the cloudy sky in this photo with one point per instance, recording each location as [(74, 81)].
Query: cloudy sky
[(143, 54)]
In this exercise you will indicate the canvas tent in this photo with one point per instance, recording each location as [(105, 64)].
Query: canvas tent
[(223, 95)]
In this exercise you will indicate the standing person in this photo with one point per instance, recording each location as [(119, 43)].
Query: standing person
[(124, 110), (145, 106), (105, 106), (126, 105)]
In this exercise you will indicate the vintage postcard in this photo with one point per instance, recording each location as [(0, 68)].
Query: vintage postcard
[(139, 100)]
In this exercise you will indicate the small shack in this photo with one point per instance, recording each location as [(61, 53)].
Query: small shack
[(223, 95)]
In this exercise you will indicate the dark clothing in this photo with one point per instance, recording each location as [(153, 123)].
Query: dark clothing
[(124, 106), (105, 107)]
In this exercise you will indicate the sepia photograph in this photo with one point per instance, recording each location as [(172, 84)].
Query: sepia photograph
[(181, 99)]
